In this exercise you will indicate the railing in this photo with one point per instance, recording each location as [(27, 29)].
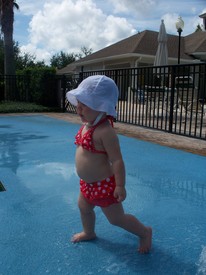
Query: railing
[(41, 89), (167, 98), (14, 88)]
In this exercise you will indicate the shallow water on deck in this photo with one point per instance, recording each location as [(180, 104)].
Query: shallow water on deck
[(166, 188)]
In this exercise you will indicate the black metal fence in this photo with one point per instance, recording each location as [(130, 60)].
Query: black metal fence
[(27, 88), (167, 98)]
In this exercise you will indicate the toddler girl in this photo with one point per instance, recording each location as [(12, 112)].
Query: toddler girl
[(99, 162)]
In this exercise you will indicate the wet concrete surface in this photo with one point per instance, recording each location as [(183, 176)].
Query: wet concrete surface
[(192, 145), (188, 144)]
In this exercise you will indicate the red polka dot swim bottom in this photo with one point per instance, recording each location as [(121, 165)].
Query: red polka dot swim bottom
[(99, 193)]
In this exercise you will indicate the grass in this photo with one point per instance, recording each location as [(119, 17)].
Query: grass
[(23, 107)]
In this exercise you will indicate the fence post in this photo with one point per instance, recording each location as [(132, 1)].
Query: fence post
[(172, 98), (63, 92), (80, 77)]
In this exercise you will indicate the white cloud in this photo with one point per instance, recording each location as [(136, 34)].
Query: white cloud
[(70, 25), (29, 7), (40, 53), (67, 25), (190, 25), (140, 8), (148, 13), (112, 30)]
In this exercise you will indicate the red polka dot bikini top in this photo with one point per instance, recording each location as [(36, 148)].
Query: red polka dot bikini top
[(86, 140)]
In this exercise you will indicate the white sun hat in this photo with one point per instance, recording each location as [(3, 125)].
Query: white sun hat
[(98, 92)]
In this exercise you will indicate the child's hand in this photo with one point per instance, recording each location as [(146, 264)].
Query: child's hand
[(120, 193)]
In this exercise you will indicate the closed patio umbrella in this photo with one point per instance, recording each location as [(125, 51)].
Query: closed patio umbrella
[(161, 57)]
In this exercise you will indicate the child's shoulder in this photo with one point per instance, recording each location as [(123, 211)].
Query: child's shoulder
[(106, 129)]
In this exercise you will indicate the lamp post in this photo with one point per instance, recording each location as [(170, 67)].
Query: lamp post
[(179, 27)]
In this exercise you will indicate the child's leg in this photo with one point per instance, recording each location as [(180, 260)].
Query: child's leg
[(116, 216), (88, 221)]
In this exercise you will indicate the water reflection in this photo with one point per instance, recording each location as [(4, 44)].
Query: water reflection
[(9, 153), (190, 190)]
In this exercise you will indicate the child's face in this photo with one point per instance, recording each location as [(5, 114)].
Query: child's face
[(86, 114)]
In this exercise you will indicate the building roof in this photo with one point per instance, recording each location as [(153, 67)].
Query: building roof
[(70, 68), (146, 43), (195, 42), (141, 43)]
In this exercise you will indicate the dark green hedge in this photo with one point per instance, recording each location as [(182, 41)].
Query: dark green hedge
[(38, 85)]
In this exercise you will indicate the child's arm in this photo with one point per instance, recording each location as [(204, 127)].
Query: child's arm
[(111, 145), (119, 173)]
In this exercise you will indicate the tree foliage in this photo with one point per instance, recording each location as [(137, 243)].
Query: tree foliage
[(198, 28), (62, 59), (21, 60), (84, 52), (25, 60)]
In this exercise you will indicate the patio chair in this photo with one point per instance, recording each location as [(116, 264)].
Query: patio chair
[(188, 99), (189, 102)]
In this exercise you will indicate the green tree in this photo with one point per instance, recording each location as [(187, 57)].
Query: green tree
[(84, 52), (22, 60), (198, 28), (7, 21), (62, 59), (25, 60)]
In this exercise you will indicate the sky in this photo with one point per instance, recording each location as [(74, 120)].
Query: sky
[(44, 28)]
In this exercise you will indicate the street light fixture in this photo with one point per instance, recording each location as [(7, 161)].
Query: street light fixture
[(179, 27)]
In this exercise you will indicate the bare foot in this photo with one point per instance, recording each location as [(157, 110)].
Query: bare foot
[(146, 242), (80, 237)]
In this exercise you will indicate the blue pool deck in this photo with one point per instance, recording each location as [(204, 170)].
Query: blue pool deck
[(166, 188)]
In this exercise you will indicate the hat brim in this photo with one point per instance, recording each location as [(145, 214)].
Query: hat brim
[(76, 95), (72, 96), (79, 95)]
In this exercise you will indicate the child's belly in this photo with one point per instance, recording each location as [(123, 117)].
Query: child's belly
[(92, 167)]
